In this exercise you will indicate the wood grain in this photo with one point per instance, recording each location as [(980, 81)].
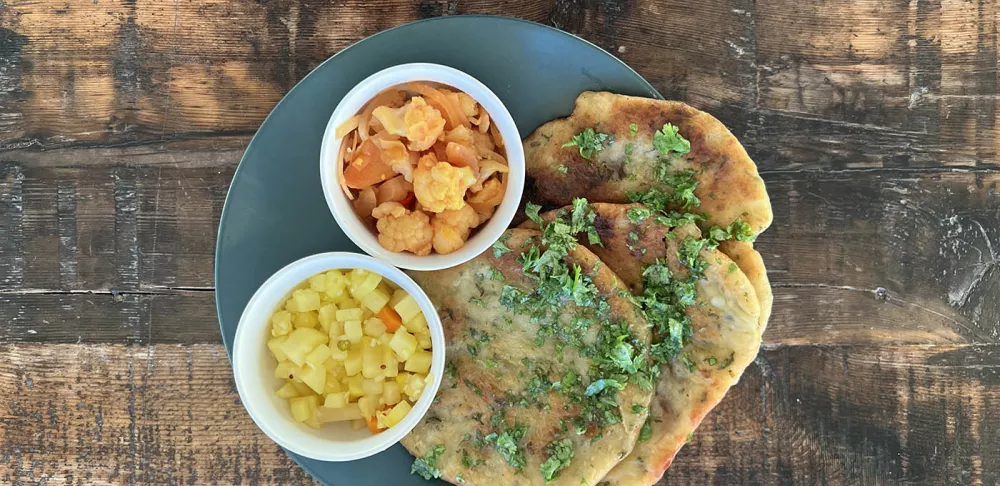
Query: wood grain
[(170, 415), (855, 84), (874, 125)]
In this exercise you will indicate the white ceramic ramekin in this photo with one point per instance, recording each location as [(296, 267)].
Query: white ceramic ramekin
[(340, 205), (253, 365)]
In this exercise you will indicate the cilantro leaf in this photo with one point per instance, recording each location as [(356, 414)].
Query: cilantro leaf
[(588, 142), (638, 214), (646, 432), (667, 140), (632, 129), (602, 384), (426, 467), (500, 247), (560, 454)]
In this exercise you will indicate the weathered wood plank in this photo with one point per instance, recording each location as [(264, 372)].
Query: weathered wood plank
[(857, 84), (801, 415), (893, 255), (130, 415)]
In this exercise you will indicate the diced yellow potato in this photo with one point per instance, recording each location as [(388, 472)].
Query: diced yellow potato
[(337, 400), (407, 308), (375, 300), (414, 387), (274, 344), (339, 348), (357, 275), (291, 306), (336, 285), (391, 394), (424, 340), (367, 286), (305, 320), (419, 362), (374, 327), (281, 323), (366, 314), (389, 361), (314, 421), (301, 342), (372, 387), (312, 376), (348, 314), (326, 315), (384, 287), (334, 367), (335, 330), (317, 282), (403, 378), (371, 358), (403, 343), (397, 414), (318, 355), (303, 408), (397, 296), (306, 300), (384, 340), (285, 370), (287, 391), (332, 385), (350, 411), (417, 325), (302, 388), (367, 405), (353, 331), (355, 386), (352, 365)]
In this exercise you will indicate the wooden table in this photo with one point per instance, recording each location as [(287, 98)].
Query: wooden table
[(873, 123)]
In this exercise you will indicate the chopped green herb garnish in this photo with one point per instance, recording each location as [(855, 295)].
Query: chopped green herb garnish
[(646, 431), (426, 467), (468, 461), (691, 366), (459, 478), (472, 386), (450, 369), (500, 247), (632, 129), (494, 274), (732, 268), (667, 140), (560, 454), (711, 360), (588, 142), (478, 301), (562, 168), (637, 214), (726, 362), (489, 363), (637, 408), (506, 444)]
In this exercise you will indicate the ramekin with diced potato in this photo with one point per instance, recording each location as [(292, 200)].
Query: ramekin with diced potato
[(338, 356)]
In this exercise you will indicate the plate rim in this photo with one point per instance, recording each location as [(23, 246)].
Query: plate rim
[(651, 91)]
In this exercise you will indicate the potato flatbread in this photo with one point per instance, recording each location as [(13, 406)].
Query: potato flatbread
[(726, 323), (752, 265), (729, 186), (507, 397)]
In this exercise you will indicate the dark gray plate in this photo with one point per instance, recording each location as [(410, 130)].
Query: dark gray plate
[(275, 212)]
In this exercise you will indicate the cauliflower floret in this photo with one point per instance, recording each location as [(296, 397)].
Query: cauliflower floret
[(400, 229), (490, 195), (460, 135), (391, 119), (401, 160), (423, 123), (452, 227), (440, 185)]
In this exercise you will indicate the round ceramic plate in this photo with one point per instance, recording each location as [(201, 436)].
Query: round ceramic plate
[(275, 212)]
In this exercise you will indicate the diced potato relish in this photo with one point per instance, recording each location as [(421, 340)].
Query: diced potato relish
[(351, 346)]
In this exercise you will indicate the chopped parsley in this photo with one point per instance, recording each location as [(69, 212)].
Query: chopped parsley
[(667, 140), (588, 142), (426, 467), (500, 246), (494, 274), (689, 363), (468, 461), (637, 214), (450, 369), (637, 408), (632, 129), (732, 268), (646, 431), (472, 386), (711, 360), (506, 444), (560, 454), (738, 230), (562, 168), (726, 362)]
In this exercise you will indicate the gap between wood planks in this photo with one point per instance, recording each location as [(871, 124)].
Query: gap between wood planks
[(111, 292)]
